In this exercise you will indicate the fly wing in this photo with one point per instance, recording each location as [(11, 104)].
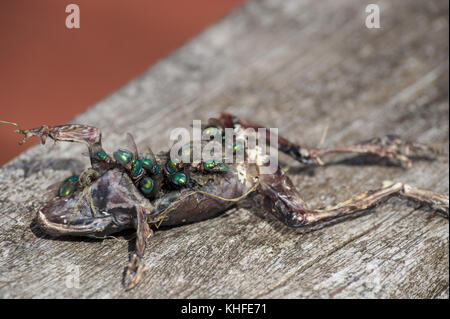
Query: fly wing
[(53, 189), (150, 154), (131, 144)]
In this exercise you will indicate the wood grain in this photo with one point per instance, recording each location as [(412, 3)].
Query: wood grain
[(297, 65)]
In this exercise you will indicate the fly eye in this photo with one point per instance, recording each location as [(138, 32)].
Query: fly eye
[(122, 156), (69, 186), (146, 185), (211, 132)]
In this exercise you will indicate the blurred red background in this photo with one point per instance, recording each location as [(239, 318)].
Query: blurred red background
[(49, 74)]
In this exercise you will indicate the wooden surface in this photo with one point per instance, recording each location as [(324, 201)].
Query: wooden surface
[(298, 66)]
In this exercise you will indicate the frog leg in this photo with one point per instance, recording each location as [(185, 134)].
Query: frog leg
[(88, 135), (389, 146), (284, 202), (136, 267)]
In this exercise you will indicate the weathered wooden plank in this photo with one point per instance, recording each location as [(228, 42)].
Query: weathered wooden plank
[(296, 65)]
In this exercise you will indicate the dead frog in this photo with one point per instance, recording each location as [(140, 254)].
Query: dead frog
[(141, 190)]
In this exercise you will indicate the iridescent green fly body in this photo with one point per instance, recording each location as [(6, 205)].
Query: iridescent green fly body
[(123, 156), (179, 179), (69, 186)]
